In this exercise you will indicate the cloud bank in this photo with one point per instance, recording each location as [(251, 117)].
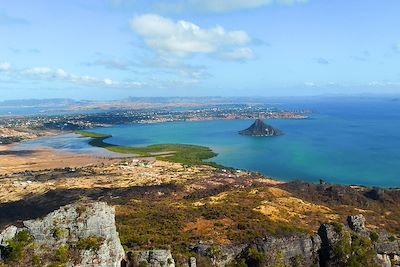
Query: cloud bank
[(182, 38)]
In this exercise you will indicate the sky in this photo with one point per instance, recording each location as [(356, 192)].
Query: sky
[(112, 49)]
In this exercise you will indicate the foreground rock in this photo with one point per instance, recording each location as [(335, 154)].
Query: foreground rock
[(85, 235), (74, 235), (259, 128), (335, 245)]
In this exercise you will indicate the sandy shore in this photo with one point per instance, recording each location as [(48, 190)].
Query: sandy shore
[(12, 160)]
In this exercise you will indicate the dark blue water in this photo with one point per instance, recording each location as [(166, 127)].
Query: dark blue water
[(348, 141)]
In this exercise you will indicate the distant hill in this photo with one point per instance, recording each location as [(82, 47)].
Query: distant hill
[(42, 102)]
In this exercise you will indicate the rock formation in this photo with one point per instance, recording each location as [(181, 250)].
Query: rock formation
[(156, 258), (259, 128), (84, 234), (335, 245)]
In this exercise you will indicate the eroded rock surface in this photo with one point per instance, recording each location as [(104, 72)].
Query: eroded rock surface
[(156, 258), (86, 230)]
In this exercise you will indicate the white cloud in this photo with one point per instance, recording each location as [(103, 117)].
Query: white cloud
[(108, 81), (38, 71), (62, 73), (309, 84), (49, 74), (4, 66), (184, 38), (383, 83), (239, 54)]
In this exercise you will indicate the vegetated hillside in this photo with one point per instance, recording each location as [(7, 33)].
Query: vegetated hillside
[(167, 205)]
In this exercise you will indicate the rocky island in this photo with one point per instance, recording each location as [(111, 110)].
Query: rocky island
[(259, 128)]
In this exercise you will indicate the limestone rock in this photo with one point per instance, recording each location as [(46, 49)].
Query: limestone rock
[(192, 262), (384, 260), (357, 223), (387, 244), (291, 248), (219, 255), (74, 223), (157, 258), (331, 236), (7, 234)]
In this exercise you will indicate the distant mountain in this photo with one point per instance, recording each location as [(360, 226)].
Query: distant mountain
[(259, 128), (41, 102)]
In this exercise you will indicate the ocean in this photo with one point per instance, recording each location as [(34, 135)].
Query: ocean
[(344, 141)]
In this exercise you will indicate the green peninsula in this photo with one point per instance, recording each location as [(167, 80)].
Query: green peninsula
[(179, 153)]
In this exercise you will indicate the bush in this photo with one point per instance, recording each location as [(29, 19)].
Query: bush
[(62, 254), (255, 258), (36, 261), (90, 243), (374, 237), (15, 249), (58, 233), (238, 263)]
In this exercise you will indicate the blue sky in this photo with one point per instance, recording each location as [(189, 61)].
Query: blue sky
[(111, 49)]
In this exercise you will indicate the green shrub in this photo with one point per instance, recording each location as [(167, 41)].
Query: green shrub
[(62, 254), (36, 261), (374, 237), (90, 243), (238, 263), (58, 233), (15, 249), (279, 259), (338, 227), (255, 258), (392, 238)]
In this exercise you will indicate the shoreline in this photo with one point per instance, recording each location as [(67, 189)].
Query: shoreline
[(98, 141), (162, 152)]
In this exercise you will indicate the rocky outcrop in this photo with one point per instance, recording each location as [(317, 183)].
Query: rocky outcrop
[(335, 245), (87, 230), (218, 255), (259, 128), (357, 223), (156, 258), (7, 234), (192, 262), (295, 249), (342, 245), (268, 251)]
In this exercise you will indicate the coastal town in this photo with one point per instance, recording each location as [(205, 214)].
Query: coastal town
[(17, 128)]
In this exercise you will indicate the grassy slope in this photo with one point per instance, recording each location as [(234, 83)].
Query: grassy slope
[(180, 153)]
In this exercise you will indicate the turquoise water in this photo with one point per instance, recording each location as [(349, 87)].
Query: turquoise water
[(346, 142)]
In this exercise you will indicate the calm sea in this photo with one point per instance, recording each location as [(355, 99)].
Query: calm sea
[(346, 141)]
